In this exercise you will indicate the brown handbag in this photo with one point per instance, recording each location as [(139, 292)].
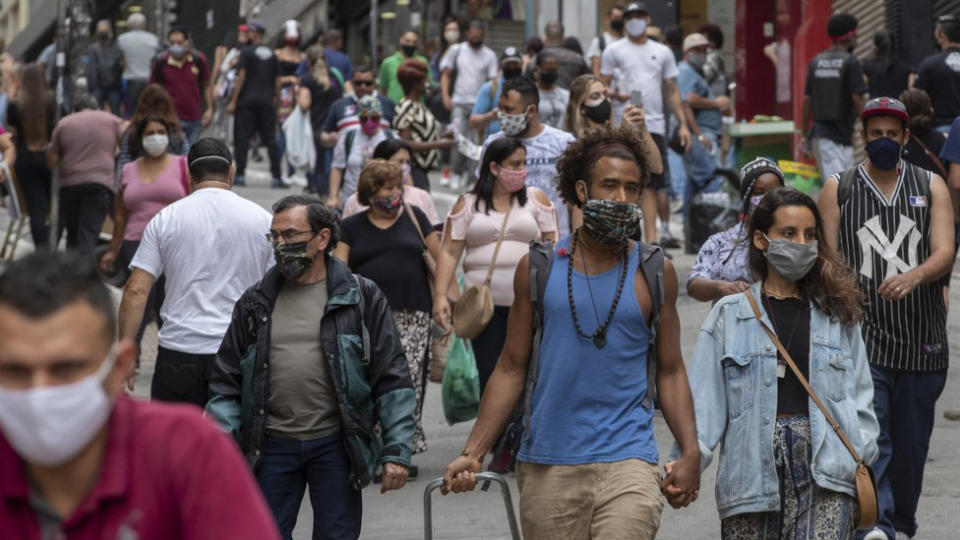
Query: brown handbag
[(473, 311), (863, 478), (453, 292)]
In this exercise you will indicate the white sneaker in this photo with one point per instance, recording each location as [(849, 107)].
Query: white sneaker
[(876, 533)]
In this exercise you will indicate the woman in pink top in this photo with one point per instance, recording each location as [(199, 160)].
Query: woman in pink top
[(398, 151), (147, 185), (474, 224)]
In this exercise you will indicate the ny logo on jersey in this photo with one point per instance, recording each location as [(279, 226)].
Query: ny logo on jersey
[(873, 238)]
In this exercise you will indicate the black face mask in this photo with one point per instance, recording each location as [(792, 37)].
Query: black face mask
[(549, 78), (617, 25), (511, 73), (292, 260), (598, 113), (408, 50), (476, 44)]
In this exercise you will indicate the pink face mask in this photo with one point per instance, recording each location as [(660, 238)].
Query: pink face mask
[(370, 126), (512, 180)]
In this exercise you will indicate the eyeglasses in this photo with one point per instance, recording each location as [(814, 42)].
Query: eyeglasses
[(363, 83), (287, 236)]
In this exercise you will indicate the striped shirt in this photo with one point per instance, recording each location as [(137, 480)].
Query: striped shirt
[(423, 127), (880, 238)]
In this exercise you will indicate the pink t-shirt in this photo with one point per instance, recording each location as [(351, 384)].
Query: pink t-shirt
[(143, 200), (411, 195), (480, 230), (87, 144)]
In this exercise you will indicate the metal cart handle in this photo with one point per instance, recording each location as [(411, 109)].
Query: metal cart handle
[(486, 478)]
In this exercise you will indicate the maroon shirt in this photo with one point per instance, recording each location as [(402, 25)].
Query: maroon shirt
[(167, 473), (183, 80)]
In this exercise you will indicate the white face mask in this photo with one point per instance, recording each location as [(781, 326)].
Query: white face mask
[(452, 36), (50, 425), (512, 124), (636, 27), (155, 145)]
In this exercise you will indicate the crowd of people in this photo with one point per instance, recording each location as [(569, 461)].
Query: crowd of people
[(824, 351)]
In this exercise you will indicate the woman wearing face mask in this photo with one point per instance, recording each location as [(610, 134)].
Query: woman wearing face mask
[(722, 268), (147, 185), (354, 149), (416, 125), (398, 151), (553, 99), (154, 101), (383, 244), (475, 224), (783, 471)]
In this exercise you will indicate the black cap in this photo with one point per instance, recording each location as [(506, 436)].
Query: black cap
[(511, 53), (636, 7), (257, 26), (841, 24)]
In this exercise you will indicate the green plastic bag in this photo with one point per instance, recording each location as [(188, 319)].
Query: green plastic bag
[(461, 384)]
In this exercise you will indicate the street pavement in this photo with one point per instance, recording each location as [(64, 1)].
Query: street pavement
[(399, 515)]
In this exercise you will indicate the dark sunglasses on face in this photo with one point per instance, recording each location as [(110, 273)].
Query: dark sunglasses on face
[(363, 83)]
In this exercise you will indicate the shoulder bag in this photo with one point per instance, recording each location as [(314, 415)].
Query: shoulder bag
[(863, 478), (475, 308), (453, 292)]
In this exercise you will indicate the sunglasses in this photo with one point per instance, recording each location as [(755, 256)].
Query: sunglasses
[(363, 83)]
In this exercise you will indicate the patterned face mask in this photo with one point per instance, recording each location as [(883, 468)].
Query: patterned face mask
[(292, 259), (610, 222), (512, 124), (389, 204)]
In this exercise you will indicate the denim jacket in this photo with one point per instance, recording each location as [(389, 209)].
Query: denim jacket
[(734, 384)]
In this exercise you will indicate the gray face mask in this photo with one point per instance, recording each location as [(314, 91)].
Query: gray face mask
[(791, 260)]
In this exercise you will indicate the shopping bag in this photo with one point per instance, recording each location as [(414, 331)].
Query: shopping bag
[(461, 384), (298, 132)]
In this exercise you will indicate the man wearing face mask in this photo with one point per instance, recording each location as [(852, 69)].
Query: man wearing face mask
[(78, 458), (893, 223), (183, 71), (106, 68), (210, 247), (702, 157), (939, 73), (302, 404), (483, 117), (553, 98), (587, 465), (570, 63), (601, 42), (519, 115), (833, 97), (389, 84)]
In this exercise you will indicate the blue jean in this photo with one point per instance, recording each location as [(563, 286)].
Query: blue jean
[(904, 402), (193, 129), (110, 96), (289, 466), (678, 175), (699, 165)]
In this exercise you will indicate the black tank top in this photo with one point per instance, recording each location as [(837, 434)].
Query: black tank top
[(880, 238)]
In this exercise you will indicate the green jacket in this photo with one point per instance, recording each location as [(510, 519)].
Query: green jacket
[(388, 74), (372, 383)]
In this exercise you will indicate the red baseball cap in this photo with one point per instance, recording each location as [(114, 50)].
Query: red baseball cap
[(885, 106)]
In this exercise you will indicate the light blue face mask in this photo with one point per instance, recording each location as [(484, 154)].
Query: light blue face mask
[(791, 260)]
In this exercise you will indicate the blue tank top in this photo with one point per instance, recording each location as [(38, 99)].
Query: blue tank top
[(587, 405)]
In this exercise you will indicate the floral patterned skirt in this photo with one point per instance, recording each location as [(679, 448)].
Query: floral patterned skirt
[(414, 330), (807, 511)]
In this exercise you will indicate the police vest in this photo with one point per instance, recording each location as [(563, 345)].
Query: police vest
[(829, 97)]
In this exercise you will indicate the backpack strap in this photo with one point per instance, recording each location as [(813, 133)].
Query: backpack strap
[(348, 144), (540, 259), (651, 264), (339, 76), (365, 334), (603, 42), (494, 84), (844, 185)]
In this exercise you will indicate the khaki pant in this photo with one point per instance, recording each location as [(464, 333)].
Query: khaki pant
[(607, 501)]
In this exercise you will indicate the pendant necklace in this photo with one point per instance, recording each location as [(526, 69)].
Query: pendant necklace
[(599, 336)]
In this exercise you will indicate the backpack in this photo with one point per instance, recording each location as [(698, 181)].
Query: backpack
[(846, 178), (541, 260), (352, 135)]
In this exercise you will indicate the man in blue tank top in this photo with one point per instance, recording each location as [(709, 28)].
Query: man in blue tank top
[(587, 467), (893, 224)]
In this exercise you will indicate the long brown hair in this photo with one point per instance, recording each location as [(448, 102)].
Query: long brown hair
[(154, 102), (33, 101), (830, 285), (579, 90)]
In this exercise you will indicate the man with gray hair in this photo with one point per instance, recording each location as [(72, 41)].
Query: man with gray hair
[(570, 65), (138, 47), (211, 247), (106, 68)]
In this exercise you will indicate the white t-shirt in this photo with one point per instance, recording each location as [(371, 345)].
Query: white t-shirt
[(473, 66), (542, 154), (553, 106), (594, 50), (211, 248), (360, 153), (644, 68)]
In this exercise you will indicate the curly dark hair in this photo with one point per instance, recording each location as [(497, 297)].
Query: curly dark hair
[(831, 286), (576, 162)]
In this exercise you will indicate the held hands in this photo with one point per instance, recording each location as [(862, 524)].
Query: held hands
[(394, 477), (899, 286), (461, 475), (681, 486)]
